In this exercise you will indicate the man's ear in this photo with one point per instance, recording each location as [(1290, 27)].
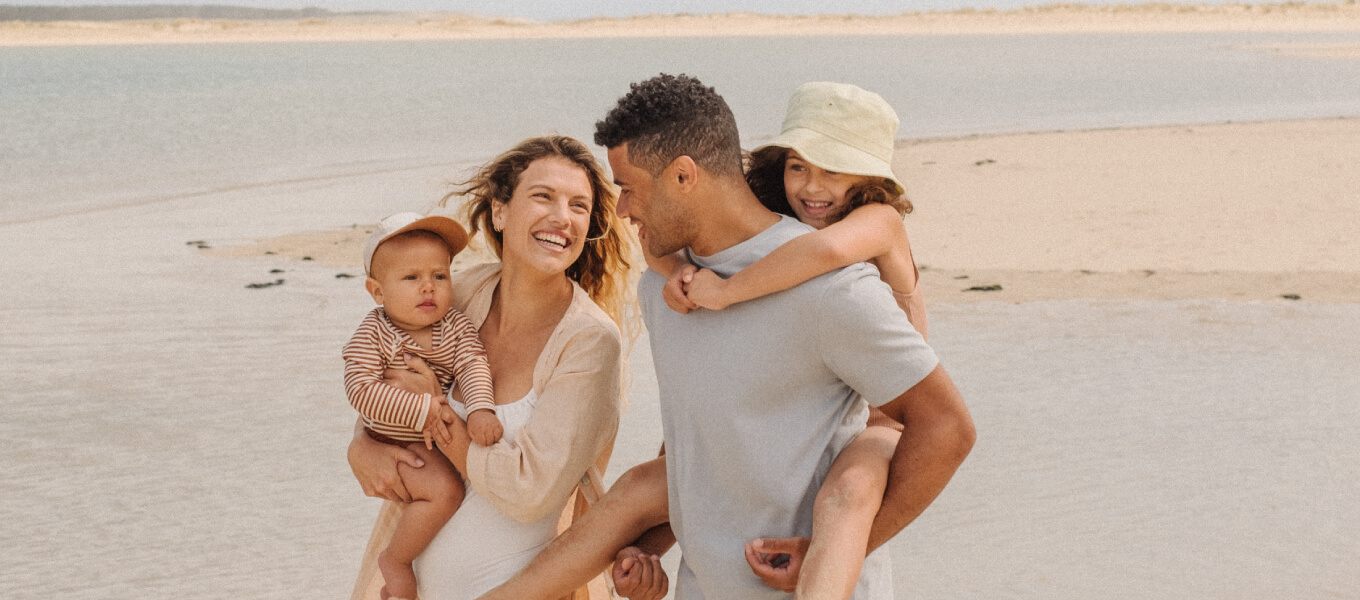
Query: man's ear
[(684, 172), (374, 289)]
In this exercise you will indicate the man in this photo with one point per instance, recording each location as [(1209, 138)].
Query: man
[(756, 400)]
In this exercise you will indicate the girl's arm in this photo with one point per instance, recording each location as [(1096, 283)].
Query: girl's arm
[(666, 265), (675, 268), (868, 232)]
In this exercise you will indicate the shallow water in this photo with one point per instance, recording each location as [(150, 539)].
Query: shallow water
[(101, 126)]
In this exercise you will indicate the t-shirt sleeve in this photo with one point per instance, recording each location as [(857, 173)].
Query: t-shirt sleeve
[(866, 340)]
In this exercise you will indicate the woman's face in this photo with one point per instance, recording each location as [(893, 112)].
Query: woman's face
[(814, 193), (544, 225)]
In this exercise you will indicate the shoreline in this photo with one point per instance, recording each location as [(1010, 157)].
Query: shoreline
[(1051, 19), (1142, 213)]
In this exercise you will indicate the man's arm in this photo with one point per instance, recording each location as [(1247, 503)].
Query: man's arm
[(939, 434)]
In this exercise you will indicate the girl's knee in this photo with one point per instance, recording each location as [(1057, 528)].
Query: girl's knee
[(643, 487), (857, 488)]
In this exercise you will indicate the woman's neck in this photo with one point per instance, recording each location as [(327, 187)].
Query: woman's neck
[(527, 300)]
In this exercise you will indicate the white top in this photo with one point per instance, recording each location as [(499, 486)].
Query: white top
[(480, 547)]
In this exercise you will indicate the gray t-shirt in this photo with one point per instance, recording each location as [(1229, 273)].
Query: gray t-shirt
[(752, 398)]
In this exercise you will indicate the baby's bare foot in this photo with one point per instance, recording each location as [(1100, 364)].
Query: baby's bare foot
[(400, 579)]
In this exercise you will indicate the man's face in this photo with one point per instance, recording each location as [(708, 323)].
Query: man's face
[(664, 223)]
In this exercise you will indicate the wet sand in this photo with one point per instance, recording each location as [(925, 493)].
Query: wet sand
[(1185, 433), (1245, 211)]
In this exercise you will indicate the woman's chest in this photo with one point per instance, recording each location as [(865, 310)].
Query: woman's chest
[(513, 356)]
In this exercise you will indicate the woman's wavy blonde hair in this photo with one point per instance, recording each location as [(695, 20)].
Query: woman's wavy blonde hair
[(602, 270)]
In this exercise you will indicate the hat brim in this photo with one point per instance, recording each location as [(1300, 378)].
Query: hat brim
[(826, 152), (452, 233), (446, 228)]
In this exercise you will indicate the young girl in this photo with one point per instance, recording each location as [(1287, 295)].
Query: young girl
[(848, 192)]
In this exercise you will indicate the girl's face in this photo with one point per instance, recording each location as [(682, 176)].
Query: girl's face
[(815, 193), (544, 225)]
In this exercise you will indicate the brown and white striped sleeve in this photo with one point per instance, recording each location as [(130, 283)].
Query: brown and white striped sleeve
[(375, 400), (471, 371)]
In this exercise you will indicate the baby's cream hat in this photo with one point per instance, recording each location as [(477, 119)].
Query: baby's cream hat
[(452, 233)]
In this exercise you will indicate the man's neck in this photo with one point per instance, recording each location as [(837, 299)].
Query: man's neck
[(731, 215)]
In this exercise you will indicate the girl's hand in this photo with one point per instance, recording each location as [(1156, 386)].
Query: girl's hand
[(375, 466), (674, 291), (706, 290)]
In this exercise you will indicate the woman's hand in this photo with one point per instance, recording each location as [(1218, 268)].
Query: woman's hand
[(417, 377), (375, 466)]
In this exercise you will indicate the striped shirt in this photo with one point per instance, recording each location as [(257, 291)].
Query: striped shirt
[(456, 356)]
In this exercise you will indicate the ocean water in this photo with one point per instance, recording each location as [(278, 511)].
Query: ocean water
[(168, 432), (87, 127)]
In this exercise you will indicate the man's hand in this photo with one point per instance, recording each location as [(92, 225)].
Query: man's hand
[(674, 290), (777, 561), (639, 576)]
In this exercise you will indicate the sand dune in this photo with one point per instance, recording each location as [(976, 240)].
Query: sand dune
[(1248, 211), (1067, 18)]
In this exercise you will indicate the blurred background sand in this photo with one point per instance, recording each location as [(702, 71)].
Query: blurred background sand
[(1164, 386)]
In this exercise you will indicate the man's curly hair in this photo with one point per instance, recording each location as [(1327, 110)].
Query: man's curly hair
[(670, 116)]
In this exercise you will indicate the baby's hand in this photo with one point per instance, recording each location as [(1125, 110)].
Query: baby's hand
[(484, 427), (674, 291), (435, 428), (707, 290)]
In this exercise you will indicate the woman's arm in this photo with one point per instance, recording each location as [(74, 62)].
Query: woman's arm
[(574, 421), (868, 232), (375, 466)]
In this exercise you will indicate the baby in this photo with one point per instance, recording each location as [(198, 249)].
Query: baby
[(407, 261)]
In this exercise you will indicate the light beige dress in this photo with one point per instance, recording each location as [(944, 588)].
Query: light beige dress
[(549, 468)]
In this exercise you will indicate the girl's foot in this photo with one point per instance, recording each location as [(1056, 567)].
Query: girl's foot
[(399, 579)]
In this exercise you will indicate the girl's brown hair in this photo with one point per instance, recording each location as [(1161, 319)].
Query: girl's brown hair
[(603, 267), (765, 175)]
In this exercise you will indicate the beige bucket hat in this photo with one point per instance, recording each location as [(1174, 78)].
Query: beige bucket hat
[(840, 127), (453, 234)]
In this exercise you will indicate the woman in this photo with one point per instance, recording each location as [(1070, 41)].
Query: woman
[(549, 315)]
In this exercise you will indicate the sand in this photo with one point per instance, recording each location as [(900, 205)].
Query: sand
[(1063, 18), (172, 432), (1240, 211)]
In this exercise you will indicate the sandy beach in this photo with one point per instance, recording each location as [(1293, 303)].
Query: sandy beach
[(1061, 18), (1236, 211), (1154, 326)]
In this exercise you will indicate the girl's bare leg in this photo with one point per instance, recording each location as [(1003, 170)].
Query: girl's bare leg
[(437, 491), (843, 514), (636, 503)]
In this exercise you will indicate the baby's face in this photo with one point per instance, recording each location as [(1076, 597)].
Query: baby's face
[(410, 279)]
